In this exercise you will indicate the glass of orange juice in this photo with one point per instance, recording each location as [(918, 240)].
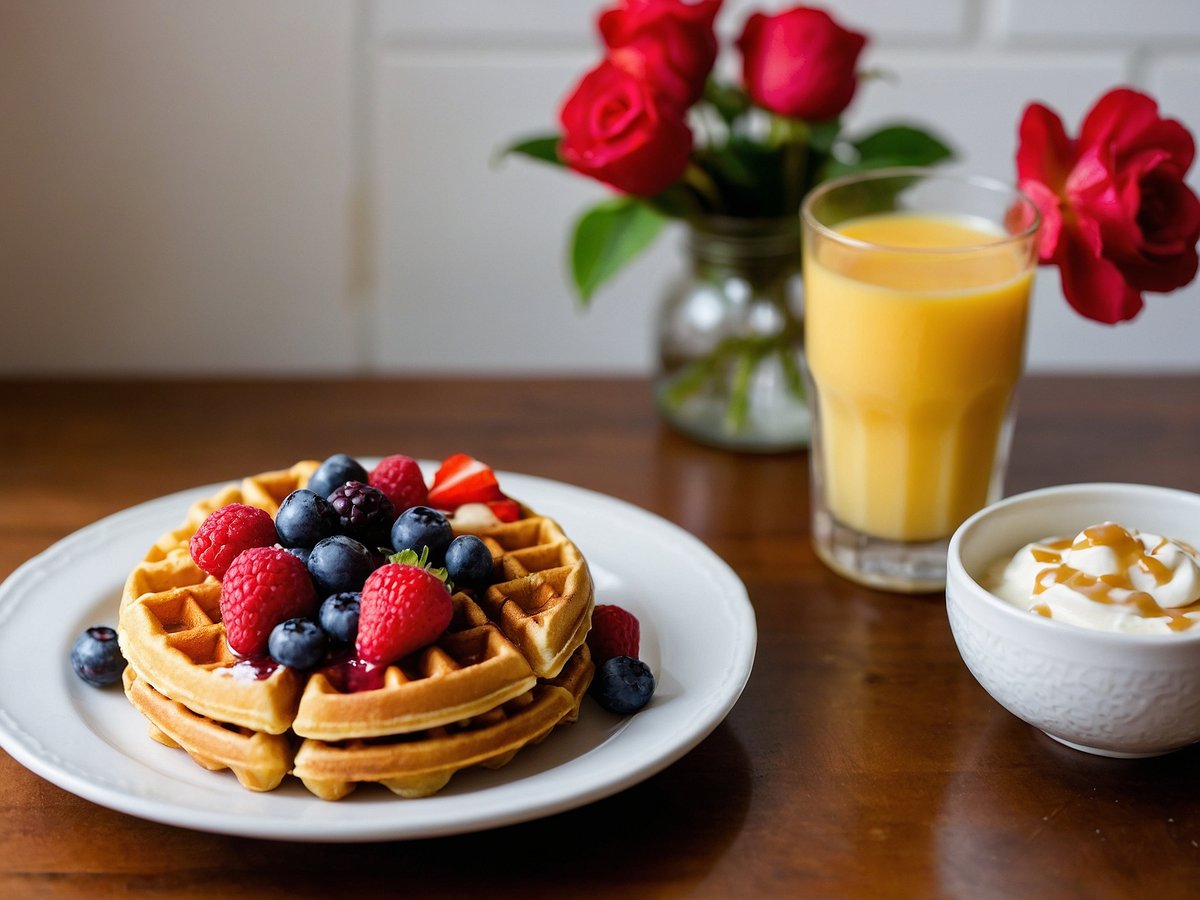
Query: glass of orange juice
[(916, 293)]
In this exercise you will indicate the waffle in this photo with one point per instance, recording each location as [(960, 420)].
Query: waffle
[(501, 661), (420, 764)]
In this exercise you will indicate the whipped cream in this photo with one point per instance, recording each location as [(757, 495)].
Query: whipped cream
[(1108, 578)]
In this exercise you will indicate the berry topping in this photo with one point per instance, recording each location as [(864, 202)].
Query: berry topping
[(469, 561), (339, 564), (335, 472), (622, 685), (339, 616), (421, 527), (228, 531), (403, 609), (505, 510), (400, 478), (96, 656), (463, 479), (263, 587), (615, 632), (305, 518), (364, 512), (298, 643)]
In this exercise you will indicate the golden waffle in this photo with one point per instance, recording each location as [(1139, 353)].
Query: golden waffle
[(472, 668), (244, 714), (260, 761), (417, 765), (170, 629), (544, 602)]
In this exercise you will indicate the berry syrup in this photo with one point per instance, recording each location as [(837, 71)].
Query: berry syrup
[(351, 675), (252, 668)]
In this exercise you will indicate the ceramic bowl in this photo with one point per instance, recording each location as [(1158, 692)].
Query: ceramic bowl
[(1112, 694)]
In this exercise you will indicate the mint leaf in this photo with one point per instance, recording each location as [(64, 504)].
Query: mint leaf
[(607, 238)]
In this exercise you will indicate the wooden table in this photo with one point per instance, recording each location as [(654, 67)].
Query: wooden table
[(862, 760)]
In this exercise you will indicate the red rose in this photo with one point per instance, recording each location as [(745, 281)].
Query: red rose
[(668, 43), (617, 130), (800, 63), (1118, 217)]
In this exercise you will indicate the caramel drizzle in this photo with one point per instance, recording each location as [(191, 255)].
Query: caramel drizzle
[(1102, 588)]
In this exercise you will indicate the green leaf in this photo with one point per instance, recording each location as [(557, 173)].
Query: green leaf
[(409, 557), (729, 101), (609, 236), (901, 145), (823, 135), (541, 147)]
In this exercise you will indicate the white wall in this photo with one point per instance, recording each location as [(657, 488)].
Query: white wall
[(305, 185)]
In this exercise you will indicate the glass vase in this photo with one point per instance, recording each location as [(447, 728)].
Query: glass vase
[(730, 337)]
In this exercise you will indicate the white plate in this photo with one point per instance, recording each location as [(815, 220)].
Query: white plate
[(698, 635)]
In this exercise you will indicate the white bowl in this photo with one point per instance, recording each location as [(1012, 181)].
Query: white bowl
[(1112, 694)]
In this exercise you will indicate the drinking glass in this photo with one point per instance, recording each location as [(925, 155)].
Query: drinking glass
[(916, 293)]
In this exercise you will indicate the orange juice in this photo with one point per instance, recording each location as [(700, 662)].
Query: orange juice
[(915, 348)]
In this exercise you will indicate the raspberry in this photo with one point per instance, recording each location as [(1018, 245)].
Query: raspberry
[(365, 513), (400, 478), (403, 608), (226, 533), (615, 632), (263, 587)]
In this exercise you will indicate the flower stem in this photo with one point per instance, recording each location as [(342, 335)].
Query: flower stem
[(702, 183)]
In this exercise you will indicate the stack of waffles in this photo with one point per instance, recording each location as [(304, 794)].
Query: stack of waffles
[(512, 665)]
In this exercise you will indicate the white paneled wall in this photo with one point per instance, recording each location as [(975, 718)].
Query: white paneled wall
[(284, 186)]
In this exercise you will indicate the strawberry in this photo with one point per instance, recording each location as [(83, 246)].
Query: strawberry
[(505, 510), (402, 609), (263, 587), (228, 531), (400, 478), (463, 479), (615, 632)]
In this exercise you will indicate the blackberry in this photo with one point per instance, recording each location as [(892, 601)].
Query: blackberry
[(364, 512), (334, 472)]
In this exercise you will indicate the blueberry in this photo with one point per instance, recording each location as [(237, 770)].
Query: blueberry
[(339, 616), (96, 656), (298, 643), (335, 472), (364, 512), (469, 561), (338, 564), (420, 526), (305, 518), (623, 685), (301, 553)]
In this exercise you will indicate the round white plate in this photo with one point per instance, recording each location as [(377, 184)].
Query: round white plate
[(698, 636)]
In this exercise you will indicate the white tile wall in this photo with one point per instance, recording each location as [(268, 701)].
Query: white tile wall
[(291, 186)]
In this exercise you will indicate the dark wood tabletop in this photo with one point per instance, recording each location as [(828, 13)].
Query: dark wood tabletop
[(862, 760)]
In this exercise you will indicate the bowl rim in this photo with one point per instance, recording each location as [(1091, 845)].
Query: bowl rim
[(957, 571)]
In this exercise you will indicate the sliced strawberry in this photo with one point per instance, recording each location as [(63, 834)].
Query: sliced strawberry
[(463, 479), (505, 510)]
